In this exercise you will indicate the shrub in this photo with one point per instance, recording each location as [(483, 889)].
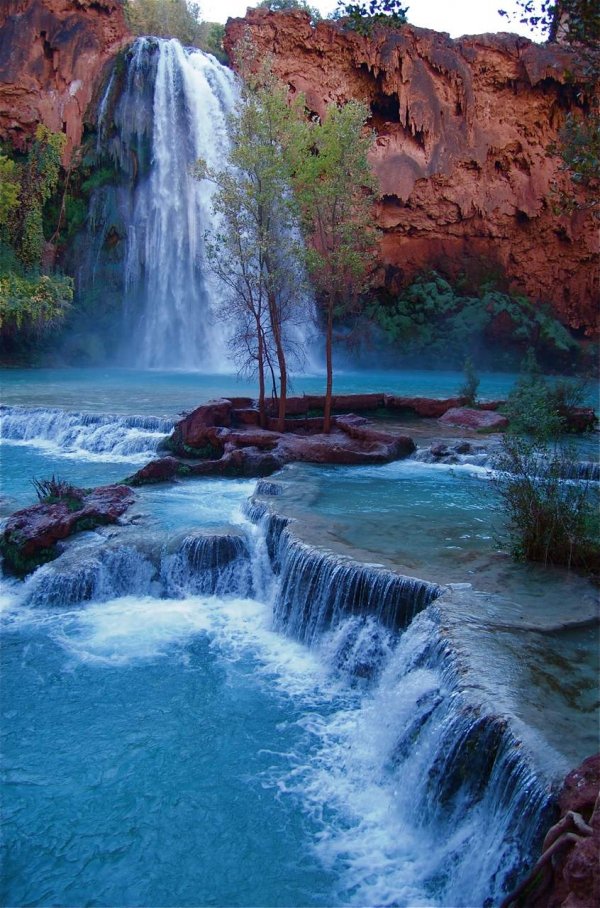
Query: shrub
[(550, 519), (469, 389), (53, 490)]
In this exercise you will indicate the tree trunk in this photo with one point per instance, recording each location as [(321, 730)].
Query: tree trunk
[(262, 413), (328, 358), (276, 329)]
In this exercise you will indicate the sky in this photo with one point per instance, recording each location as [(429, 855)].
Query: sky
[(458, 17)]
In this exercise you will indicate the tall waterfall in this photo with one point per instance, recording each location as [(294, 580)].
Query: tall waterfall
[(168, 109)]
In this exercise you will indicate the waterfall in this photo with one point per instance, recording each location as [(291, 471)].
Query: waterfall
[(419, 770), (126, 437), (209, 565), (154, 122)]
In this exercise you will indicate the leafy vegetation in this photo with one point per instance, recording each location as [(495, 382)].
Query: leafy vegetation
[(472, 380), (335, 188), (575, 22), (53, 490), (179, 19), (550, 517), (433, 318), (256, 254), (539, 409), (31, 301), (363, 16), (280, 5)]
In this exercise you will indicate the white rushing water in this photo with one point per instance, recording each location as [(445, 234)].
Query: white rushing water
[(170, 110)]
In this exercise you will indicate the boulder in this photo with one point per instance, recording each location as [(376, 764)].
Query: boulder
[(467, 418), (161, 470), (198, 433), (30, 535)]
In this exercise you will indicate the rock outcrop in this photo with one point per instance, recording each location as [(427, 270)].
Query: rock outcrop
[(567, 875), (52, 53), (30, 535), (463, 131), (219, 439)]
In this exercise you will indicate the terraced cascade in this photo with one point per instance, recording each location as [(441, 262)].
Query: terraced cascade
[(324, 688)]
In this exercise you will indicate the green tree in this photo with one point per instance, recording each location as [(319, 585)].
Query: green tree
[(166, 19), (255, 252), (334, 187), (365, 14)]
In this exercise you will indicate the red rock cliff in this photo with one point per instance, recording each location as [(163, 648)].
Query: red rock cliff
[(463, 130), (51, 55)]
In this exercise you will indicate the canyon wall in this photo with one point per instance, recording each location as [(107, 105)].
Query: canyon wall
[(463, 130), (52, 54)]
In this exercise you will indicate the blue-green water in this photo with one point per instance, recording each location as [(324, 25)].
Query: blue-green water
[(168, 393), (178, 751)]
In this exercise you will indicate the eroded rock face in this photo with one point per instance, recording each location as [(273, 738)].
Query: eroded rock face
[(52, 53), (461, 155)]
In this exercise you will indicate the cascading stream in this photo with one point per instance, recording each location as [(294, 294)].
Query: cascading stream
[(418, 790)]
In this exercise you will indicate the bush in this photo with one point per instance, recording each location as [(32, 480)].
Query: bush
[(550, 519), (433, 318), (540, 410), (51, 491), (469, 389)]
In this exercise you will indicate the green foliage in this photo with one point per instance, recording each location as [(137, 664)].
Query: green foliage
[(279, 5), (9, 189), (166, 19), (211, 40), (538, 409), (573, 20), (550, 519), (433, 318), (256, 254), (469, 389), (363, 16), (576, 22), (33, 302), (54, 490), (335, 189)]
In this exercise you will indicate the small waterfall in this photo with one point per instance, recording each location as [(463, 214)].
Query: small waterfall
[(83, 577), (462, 779), (124, 437), (318, 589), (206, 565)]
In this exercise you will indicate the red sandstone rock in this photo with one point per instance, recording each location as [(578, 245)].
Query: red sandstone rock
[(30, 534), (461, 155), (428, 407), (202, 427), (575, 875), (52, 54), (354, 427), (467, 418)]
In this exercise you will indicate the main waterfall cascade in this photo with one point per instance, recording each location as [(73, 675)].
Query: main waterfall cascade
[(168, 109), (388, 775)]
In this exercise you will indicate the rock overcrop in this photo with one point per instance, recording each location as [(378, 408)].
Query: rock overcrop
[(30, 535)]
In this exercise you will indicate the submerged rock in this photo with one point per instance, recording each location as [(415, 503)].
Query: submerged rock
[(30, 535)]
